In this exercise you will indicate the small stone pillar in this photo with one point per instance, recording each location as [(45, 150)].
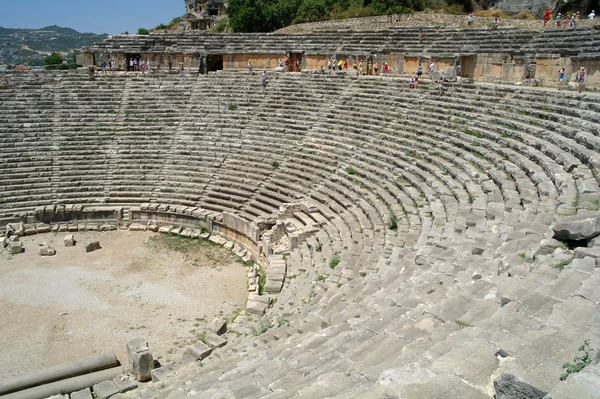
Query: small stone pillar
[(69, 240), (141, 361)]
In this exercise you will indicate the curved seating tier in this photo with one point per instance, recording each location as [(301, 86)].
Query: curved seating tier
[(475, 179)]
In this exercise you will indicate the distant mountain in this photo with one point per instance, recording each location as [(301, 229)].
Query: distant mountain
[(30, 46)]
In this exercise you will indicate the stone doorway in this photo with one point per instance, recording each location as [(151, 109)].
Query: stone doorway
[(214, 62), (295, 58), (135, 56), (467, 66)]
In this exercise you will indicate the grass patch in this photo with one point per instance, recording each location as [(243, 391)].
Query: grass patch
[(393, 220), (319, 247), (581, 361), (262, 280), (350, 170), (472, 133), (232, 107), (263, 327), (564, 263), (577, 200), (275, 165), (335, 260), (462, 324), (320, 277)]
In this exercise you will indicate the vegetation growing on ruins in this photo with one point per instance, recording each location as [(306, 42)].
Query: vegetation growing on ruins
[(335, 260), (350, 170), (393, 220), (581, 361), (55, 61), (143, 31), (319, 247), (269, 15)]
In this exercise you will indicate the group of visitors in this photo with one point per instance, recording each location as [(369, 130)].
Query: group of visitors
[(138, 65), (372, 68), (111, 65), (566, 20), (580, 78)]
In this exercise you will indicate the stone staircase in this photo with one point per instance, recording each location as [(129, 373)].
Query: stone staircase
[(475, 179)]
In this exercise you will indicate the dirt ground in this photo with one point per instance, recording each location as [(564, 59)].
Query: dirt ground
[(163, 288)]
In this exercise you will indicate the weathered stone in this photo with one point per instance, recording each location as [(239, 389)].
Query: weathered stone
[(69, 240), (42, 228), (165, 229), (124, 383), (92, 246), (200, 350), (47, 250), (105, 389), (509, 386), (83, 394), (218, 326), (141, 361), (577, 228), (30, 229), (582, 252), (16, 247), (215, 341), (107, 227), (137, 227)]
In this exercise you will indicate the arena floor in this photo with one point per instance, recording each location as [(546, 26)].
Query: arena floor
[(76, 304)]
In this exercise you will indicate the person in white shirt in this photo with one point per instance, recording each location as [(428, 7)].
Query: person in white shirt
[(592, 15)]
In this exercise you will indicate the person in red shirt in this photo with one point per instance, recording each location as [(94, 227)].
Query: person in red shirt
[(345, 65), (386, 67), (546, 17)]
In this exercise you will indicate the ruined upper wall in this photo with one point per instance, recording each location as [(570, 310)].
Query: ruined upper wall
[(415, 19)]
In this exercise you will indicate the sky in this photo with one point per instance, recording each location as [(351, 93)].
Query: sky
[(103, 16)]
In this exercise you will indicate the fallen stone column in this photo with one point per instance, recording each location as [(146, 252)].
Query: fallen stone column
[(66, 386), (56, 373)]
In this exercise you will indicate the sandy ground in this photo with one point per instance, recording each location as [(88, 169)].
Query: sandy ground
[(76, 304)]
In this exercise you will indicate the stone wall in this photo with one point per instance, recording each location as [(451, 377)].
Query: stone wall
[(414, 19)]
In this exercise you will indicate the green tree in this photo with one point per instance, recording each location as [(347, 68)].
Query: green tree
[(53, 59), (143, 31)]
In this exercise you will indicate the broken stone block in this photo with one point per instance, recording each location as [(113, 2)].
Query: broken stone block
[(215, 341), (83, 394), (124, 383), (16, 247), (577, 227), (140, 358), (508, 386), (30, 229), (69, 240), (105, 389), (218, 326), (92, 246), (47, 250), (42, 228), (165, 229), (200, 350), (137, 227)]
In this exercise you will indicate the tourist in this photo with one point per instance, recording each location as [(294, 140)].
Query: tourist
[(111, 64), (565, 21), (10, 230), (431, 67), (143, 67), (581, 79), (345, 65), (458, 69), (296, 66), (440, 87), (360, 67), (148, 65), (263, 79), (249, 68), (91, 72), (558, 21), (170, 61), (470, 20), (411, 83), (546, 16), (340, 65), (370, 67), (181, 66), (420, 71), (416, 82), (280, 63), (103, 66), (131, 65), (420, 36), (181, 26), (573, 22), (376, 67), (287, 64), (322, 70), (592, 15), (561, 77), (496, 23)]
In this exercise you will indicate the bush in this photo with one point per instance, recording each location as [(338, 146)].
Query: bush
[(524, 15), (580, 361), (393, 221), (222, 25), (143, 31), (493, 13), (350, 170)]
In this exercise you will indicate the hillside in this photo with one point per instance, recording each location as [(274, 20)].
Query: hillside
[(30, 46)]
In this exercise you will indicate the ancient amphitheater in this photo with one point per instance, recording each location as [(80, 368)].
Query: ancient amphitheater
[(411, 234)]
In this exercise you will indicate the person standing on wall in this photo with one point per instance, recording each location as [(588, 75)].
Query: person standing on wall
[(546, 17), (581, 79), (561, 77), (249, 68)]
